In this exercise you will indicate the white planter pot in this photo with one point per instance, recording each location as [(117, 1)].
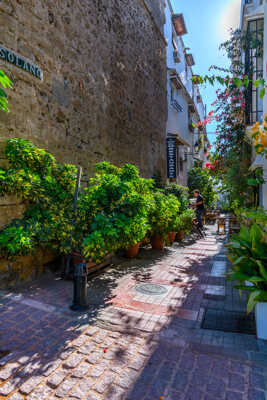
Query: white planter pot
[(261, 320)]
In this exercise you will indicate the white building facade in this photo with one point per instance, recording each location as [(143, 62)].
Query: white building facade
[(185, 105), (254, 22)]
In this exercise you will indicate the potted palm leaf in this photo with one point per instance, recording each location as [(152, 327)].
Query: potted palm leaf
[(248, 254)]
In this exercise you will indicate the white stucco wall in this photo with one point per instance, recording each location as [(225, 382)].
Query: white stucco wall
[(178, 122), (264, 188)]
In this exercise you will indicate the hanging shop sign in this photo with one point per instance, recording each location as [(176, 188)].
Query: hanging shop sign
[(171, 158), (20, 62)]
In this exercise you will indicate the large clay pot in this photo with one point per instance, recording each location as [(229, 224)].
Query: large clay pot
[(171, 237), (180, 236), (157, 242), (132, 251)]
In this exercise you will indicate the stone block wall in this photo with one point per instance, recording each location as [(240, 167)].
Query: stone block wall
[(103, 93), (23, 269), (11, 207)]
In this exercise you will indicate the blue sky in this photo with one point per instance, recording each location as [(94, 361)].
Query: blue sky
[(208, 23)]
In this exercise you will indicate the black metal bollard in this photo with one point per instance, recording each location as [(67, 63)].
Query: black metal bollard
[(80, 300)]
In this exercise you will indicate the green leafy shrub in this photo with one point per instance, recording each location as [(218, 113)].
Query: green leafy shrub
[(181, 192), (116, 210), (118, 201), (163, 211), (201, 179), (112, 212), (186, 219), (47, 188), (248, 254)]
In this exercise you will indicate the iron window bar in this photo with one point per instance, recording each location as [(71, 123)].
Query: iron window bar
[(254, 69), (176, 106)]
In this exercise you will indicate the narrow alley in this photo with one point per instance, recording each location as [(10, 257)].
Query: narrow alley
[(143, 337)]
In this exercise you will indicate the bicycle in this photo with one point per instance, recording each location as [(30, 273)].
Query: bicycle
[(197, 228)]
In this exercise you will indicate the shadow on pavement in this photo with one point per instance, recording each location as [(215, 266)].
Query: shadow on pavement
[(157, 364)]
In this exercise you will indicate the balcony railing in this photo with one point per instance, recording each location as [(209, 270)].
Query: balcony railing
[(176, 106)]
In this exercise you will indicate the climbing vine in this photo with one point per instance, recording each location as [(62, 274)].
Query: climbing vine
[(231, 159)]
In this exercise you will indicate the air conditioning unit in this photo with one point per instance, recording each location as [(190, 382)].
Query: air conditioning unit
[(176, 56)]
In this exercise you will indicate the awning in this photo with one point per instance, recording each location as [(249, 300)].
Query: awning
[(179, 140)]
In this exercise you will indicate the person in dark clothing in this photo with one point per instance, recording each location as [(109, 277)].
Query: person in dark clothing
[(200, 209)]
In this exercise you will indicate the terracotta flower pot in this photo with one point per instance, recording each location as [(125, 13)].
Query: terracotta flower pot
[(171, 237), (180, 236), (132, 251), (157, 242)]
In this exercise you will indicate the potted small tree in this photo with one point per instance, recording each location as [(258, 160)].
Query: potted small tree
[(174, 226), (248, 254), (163, 211), (120, 200), (185, 223), (133, 235)]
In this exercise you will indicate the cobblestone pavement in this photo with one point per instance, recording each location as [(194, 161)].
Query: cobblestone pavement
[(132, 345)]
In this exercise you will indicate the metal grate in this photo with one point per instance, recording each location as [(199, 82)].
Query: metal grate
[(176, 106), (151, 289), (229, 321)]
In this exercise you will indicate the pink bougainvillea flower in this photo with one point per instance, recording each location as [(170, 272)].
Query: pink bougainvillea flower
[(208, 165)]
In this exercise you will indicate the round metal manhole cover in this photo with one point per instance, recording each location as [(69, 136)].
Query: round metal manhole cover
[(151, 289)]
